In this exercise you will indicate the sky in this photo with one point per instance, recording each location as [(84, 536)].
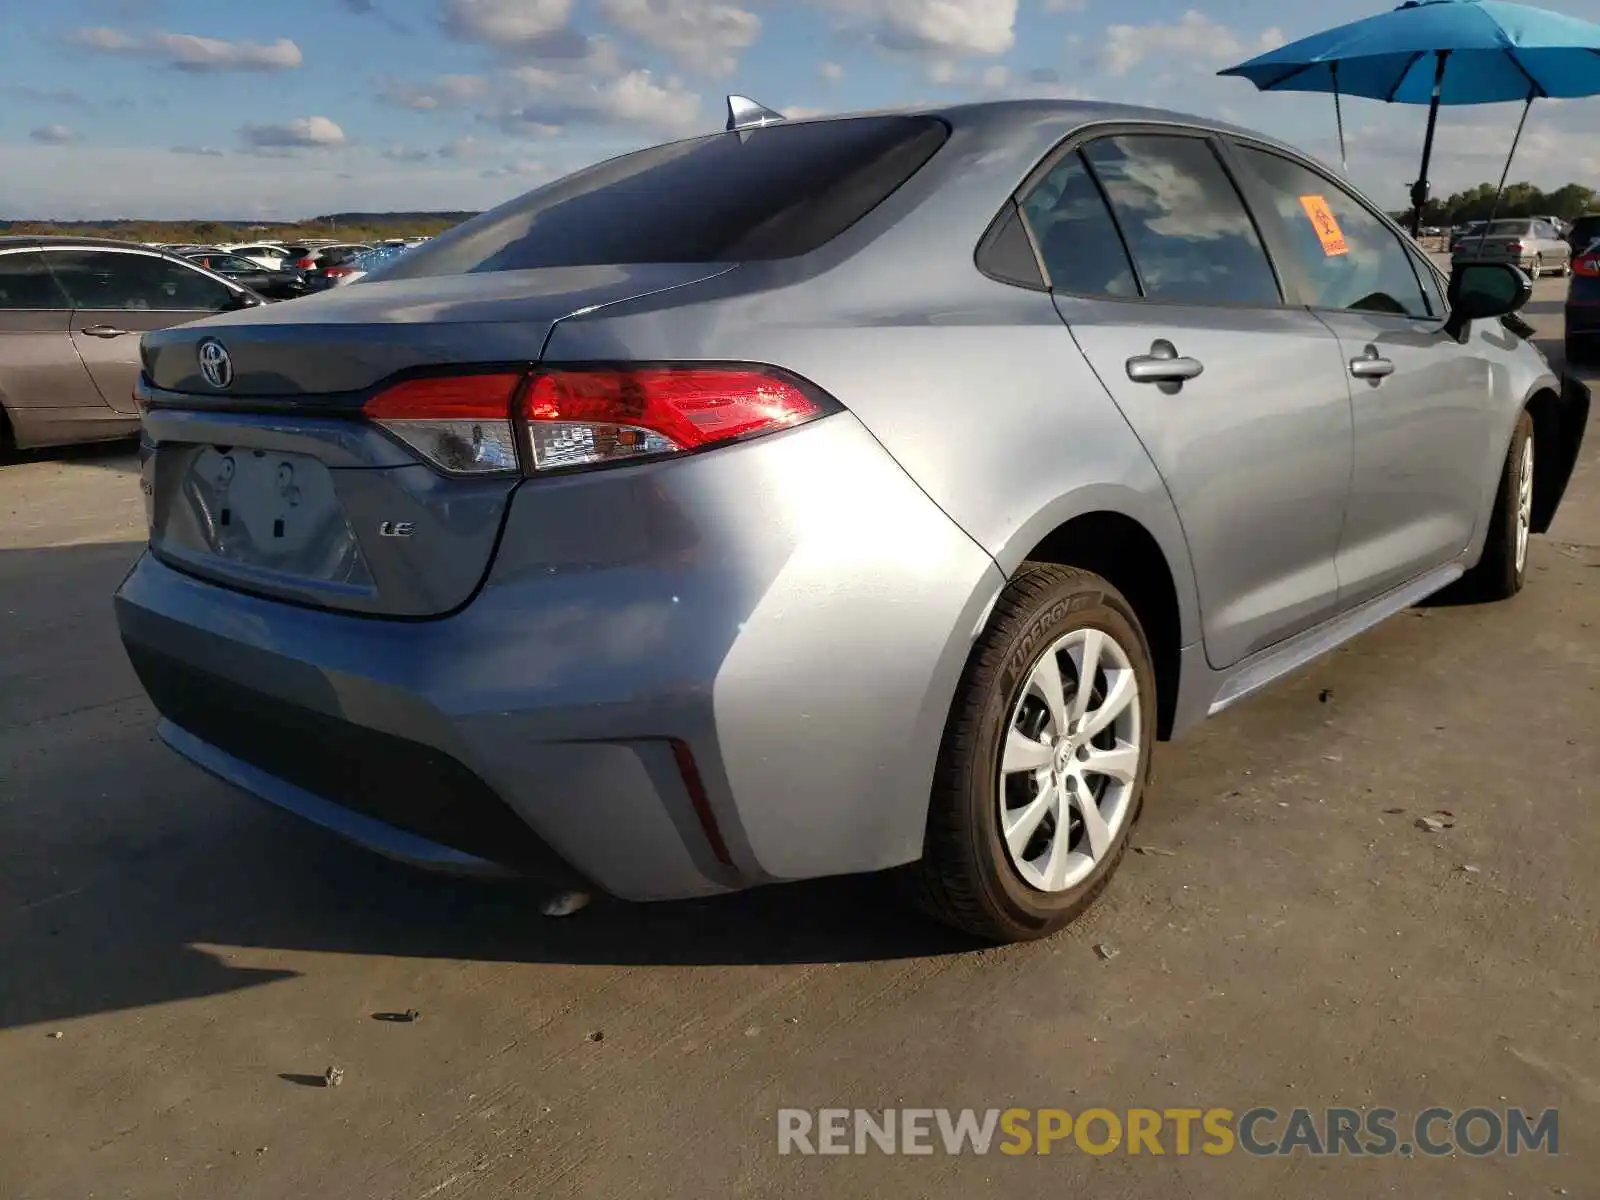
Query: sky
[(283, 109)]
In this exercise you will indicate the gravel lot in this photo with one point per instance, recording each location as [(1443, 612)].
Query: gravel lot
[(204, 959)]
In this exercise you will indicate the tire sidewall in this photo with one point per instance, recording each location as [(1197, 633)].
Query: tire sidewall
[(1517, 574), (1069, 607)]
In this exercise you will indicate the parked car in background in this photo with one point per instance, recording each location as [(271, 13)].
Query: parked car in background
[(71, 312), (1529, 243), (674, 539), (364, 264), (329, 264), (1584, 232), (266, 254), (284, 283)]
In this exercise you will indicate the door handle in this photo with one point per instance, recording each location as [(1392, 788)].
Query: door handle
[(104, 331), (1371, 365), (1163, 365)]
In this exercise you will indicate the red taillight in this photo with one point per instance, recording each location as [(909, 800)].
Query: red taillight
[(589, 416), (1514, 247), (460, 423), (1587, 264), (579, 417), (305, 264)]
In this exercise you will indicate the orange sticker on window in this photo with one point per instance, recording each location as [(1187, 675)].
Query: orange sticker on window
[(1326, 225)]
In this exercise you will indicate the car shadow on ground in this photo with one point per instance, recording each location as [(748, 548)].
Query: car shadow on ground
[(128, 878), (121, 456)]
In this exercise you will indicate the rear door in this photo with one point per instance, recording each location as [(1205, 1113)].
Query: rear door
[(1240, 400), (1422, 403), (39, 369), (118, 295)]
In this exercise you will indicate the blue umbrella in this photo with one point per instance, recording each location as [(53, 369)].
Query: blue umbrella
[(1437, 52)]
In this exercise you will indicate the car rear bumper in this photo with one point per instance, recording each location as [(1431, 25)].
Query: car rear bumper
[(677, 680)]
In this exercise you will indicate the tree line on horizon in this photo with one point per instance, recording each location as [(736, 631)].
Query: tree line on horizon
[(355, 227), (1568, 202)]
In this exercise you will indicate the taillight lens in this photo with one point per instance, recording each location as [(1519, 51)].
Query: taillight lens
[(586, 417), (1514, 247), (305, 264), (1586, 264), (582, 417), (461, 424)]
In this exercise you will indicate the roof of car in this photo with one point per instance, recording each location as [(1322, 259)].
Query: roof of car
[(13, 241)]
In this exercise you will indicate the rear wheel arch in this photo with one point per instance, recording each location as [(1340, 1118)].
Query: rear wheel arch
[(1124, 553), (1550, 465)]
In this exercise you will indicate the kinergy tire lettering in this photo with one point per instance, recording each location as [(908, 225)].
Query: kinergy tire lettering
[(1022, 656)]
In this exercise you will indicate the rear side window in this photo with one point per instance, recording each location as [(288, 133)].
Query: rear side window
[(1191, 239), (104, 280), (756, 194), (1351, 259), (26, 282), (1077, 239)]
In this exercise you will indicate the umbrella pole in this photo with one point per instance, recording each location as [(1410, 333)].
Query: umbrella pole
[(1338, 117), (1494, 209), (1419, 189)]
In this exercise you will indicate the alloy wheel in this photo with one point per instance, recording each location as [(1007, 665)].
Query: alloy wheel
[(1070, 762), (1524, 503)]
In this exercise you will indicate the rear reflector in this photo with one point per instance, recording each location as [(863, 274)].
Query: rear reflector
[(585, 417), (460, 423)]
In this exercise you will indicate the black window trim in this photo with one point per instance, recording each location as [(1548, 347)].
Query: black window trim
[(80, 248), (1281, 244), (1081, 137)]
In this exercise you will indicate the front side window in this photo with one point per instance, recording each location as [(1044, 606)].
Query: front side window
[(26, 282), (1350, 258), (114, 281), (1190, 236), (1077, 239)]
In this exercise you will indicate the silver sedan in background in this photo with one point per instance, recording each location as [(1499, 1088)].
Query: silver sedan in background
[(1535, 245)]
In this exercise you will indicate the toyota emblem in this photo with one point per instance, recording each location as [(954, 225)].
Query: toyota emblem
[(215, 363)]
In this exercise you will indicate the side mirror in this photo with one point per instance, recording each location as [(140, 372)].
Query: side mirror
[(1479, 291), (241, 300)]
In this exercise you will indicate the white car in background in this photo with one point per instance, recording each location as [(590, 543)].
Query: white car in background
[(265, 254)]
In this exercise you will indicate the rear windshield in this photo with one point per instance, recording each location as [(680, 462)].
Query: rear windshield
[(1504, 228), (767, 193)]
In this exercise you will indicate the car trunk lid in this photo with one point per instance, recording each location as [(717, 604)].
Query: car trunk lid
[(276, 483)]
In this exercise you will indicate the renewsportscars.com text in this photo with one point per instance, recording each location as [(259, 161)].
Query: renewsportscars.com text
[(1433, 1132)]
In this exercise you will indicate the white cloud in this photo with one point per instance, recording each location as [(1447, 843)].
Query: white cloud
[(1195, 37), (830, 72), (187, 52), (505, 22), (546, 102), (302, 133), (407, 154), (462, 148), (444, 91), (707, 35), (53, 135), (199, 151), (957, 28), (514, 169)]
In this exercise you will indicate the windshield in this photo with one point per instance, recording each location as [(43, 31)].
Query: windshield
[(1509, 228), (767, 193)]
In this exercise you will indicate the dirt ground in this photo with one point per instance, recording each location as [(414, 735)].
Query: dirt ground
[(205, 959)]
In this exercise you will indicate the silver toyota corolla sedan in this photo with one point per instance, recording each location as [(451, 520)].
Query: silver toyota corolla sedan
[(825, 496)]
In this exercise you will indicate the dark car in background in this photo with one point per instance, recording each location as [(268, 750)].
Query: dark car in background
[(1583, 305), (71, 312), (1583, 232), (284, 284)]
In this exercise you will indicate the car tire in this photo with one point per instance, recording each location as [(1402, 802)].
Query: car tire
[(1538, 267), (1059, 768), (1503, 569)]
